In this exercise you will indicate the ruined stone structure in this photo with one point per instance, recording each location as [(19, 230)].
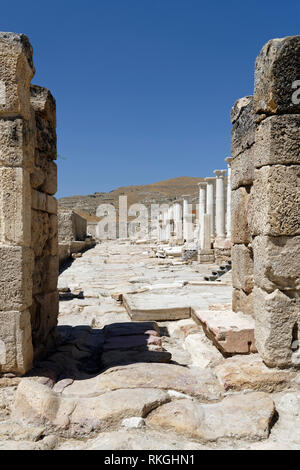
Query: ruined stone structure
[(28, 210), (266, 203), (71, 226)]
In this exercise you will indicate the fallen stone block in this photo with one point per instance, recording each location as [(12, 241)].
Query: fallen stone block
[(275, 201), (141, 307), (242, 302), (240, 417), (231, 332), (202, 351)]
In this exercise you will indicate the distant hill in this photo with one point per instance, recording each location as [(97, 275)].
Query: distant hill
[(157, 193)]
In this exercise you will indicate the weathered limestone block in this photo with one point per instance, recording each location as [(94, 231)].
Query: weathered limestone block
[(49, 185), (44, 106), (242, 267), (15, 277), (17, 137), (15, 335), (275, 201), (45, 274), (240, 416), (278, 141), (277, 263), (276, 326), (239, 215), (243, 168), (243, 131), (15, 213), (38, 200), (16, 72), (40, 231), (277, 68), (231, 332), (51, 205), (71, 226), (43, 103), (242, 302)]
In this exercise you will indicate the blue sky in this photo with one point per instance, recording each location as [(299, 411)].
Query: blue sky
[(144, 87)]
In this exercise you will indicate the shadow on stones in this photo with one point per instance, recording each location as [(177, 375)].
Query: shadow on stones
[(81, 352)]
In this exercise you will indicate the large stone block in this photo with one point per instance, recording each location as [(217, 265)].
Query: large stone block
[(40, 226), (16, 72), (17, 143), (71, 226), (239, 215), (15, 277), (15, 211), (276, 326), (242, 268), (243, 168), (43, 103), (276, 71), (278, 141), (277, 263), (243, 131), (242, 302), (49, 185), (275, 201), (15, 342), (38, 200)]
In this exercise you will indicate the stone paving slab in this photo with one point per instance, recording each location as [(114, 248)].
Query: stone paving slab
[(142, 307), (232, 333)]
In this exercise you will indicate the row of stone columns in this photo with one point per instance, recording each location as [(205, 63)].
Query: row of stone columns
[(212, 203)]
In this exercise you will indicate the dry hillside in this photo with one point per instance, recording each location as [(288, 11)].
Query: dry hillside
[(156, 193)]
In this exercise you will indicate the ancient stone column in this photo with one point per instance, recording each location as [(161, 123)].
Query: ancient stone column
[(274, 207), (177, 215), (228, 212), (202, 207), (220, 203), (206, 253), (187, 220), (210, 204)]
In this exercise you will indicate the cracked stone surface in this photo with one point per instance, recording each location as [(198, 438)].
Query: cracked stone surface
[(153, 376)]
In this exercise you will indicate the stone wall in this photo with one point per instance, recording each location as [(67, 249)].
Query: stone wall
[(242, 148), (28, 224), (266, 203), (71, 226), (275, 203)]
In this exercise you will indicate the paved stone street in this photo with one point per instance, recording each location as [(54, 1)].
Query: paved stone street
[(118, 384)]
